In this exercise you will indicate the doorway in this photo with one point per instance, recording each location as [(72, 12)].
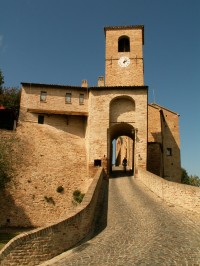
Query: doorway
[(121, 145)]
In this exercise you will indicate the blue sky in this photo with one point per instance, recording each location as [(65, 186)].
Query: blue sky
[(62, 42)]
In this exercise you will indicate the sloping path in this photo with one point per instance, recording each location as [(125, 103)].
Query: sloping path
[(141, 230)]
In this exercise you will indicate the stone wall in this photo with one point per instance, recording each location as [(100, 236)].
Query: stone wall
[(44, 157), (43, 244), (174, 193)]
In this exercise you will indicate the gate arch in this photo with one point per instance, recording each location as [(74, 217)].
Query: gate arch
[(122, 120), (122, 109)]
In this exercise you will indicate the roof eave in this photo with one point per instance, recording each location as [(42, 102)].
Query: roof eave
[(126, 27)]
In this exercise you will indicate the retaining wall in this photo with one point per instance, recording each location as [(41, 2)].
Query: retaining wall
[(175, 193), (42, 244)]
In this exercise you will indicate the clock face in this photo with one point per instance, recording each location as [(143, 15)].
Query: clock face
[(124, 61)]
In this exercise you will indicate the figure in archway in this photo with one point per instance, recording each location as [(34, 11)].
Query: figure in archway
[(124, 162)]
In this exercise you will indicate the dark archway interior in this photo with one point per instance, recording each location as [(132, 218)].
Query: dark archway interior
[(121, 129), (117, 130)]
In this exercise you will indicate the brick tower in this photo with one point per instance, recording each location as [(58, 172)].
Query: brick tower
[(124, 56)]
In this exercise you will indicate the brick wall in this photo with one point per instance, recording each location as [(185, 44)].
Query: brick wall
[(133, 112), (163, 130), (44, 157), (55, 99), (39, 245), (133, 74), (171, 139), (175, 193), (154, 164), (154, 125)]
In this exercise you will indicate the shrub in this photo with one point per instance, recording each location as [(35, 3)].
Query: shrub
[(78, 196), (60, 189), (49, 200)]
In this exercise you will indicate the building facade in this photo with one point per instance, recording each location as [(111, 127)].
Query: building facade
[(116, 108)]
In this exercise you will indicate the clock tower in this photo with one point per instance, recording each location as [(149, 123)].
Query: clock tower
[(124, 56)]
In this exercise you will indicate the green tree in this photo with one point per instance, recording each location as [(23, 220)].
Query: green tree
[(11, 99), (184, 176), (1, 82), (192, 180)]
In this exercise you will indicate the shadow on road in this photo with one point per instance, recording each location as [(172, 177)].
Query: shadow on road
[(100, 217), (102, 209), (118, 171)]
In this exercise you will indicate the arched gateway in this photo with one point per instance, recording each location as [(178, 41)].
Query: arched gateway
[(121, 131), (118, 134), (70, 131), (113, 114)]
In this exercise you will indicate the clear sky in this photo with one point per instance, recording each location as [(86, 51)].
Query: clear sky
[(62, 42)]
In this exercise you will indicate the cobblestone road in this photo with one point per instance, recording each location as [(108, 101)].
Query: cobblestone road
[(141, 230)]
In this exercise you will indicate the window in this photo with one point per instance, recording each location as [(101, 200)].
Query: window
[(43, 96), (68, 97), (97, 162), (40, 119), (169, 152), (81, 98), (124, 44)]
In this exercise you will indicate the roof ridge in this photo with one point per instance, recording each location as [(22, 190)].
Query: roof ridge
[(158, 106)]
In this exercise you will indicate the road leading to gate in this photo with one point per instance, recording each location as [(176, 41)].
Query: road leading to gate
[(141, 230)]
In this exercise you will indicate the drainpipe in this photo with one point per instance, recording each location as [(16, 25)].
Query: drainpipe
[(135, 158), (162, 120)]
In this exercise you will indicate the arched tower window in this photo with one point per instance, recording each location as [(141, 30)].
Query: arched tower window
[(124, 44)]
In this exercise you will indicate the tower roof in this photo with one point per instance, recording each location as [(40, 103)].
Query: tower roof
[(126, 27)]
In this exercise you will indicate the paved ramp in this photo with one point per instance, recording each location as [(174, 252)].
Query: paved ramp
[(141, 230)]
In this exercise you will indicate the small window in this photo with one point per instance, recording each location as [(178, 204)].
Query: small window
[(124, 44), (68, 97), (40, 119), (43, 96), (81, 98), (169, 152), (97, 162)]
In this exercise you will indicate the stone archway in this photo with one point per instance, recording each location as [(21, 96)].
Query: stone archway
[(121, 124), (122, 109), (116, 131)]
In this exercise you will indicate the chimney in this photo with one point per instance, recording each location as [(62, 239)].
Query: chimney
[(84, 83), (101, 81)]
